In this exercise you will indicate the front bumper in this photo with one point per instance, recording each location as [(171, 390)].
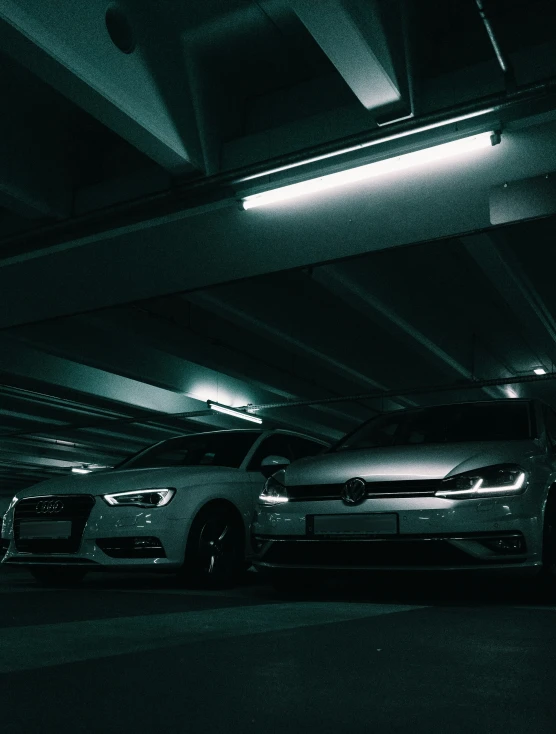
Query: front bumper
[(101, 537), (431, 534)]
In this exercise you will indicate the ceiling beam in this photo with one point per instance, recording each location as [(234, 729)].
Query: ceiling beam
[(352, 34), (68, 46), (20, 359), (504, 271), (218, 243), (362, 300), (171, 325), (139, 348), (275, 333)]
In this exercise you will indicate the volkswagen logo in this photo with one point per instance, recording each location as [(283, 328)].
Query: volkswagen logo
[(49, 507), (354, 491)]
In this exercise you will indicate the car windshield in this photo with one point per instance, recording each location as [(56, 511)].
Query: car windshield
[(503, 421), (227, 448)]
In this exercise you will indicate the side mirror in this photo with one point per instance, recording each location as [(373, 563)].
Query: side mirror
[(271, 464)]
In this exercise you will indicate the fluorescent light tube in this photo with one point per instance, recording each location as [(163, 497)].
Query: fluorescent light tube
[(370, 170), (511, 393), (232, 411), (539, 371), (369, 143), (80, 470)]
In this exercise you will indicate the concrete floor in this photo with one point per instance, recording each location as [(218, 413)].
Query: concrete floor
[(405, 654)]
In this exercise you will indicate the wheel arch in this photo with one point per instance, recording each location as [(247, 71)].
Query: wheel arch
[(550, 496), (213, 504), (223, 504)]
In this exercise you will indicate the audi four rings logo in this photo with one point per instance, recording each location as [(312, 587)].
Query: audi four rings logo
[(49, 507), (354, 491)]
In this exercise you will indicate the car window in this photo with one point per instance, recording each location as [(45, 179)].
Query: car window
[(303, 447), (228, 448), (281, 444)]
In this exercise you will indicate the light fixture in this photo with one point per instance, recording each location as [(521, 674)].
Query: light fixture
[(511, 393), (80, 470), (232, 411), (369, 143), (88, 468), (370, 170), (539, 371)]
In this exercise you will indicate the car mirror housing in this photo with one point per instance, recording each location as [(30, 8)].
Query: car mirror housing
[(271, 464)]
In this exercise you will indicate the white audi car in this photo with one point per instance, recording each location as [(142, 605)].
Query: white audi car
[(464, 486), (184, 504)]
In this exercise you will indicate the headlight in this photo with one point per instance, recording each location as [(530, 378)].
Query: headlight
[(141, 498), (4, 519), (274, 492), (498, 480)]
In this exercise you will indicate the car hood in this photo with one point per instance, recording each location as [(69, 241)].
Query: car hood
[(121, 480), (398, 463)]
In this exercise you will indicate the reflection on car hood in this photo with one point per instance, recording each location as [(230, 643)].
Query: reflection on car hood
[(121, 480), (432, 461)]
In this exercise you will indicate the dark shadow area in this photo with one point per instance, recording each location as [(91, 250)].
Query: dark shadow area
[(424, 588)]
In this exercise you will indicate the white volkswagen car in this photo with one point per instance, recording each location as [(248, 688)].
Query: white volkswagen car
[(465, 486), (184, 504)]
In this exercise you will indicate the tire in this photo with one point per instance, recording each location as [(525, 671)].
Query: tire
[(57, 575), (215, 553)]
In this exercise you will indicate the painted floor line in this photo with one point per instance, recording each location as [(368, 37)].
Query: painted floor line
[(40, 646)]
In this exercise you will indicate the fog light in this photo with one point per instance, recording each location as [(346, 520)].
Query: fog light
[(506, 545), (132, 547), (256, 544), (146, 542)]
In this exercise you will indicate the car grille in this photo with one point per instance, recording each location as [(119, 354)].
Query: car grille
[(76, 508), (367, 554), (406, 488)]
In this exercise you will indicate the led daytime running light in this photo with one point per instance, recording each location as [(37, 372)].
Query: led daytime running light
[(479, 489), (274, 492), (272, 499)]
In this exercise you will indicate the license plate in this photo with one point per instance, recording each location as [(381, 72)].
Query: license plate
[(54, 529), (363, 524)]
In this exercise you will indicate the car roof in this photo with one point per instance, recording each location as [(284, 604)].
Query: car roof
[(286, 431)]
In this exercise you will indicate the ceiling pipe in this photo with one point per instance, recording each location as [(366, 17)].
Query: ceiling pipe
[(504, 63), (454, 386), (203, 191)]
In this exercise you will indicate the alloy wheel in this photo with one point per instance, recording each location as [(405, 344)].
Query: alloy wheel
[(217, 546)]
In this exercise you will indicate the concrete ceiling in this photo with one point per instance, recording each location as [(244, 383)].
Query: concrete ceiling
[(134, 287)]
